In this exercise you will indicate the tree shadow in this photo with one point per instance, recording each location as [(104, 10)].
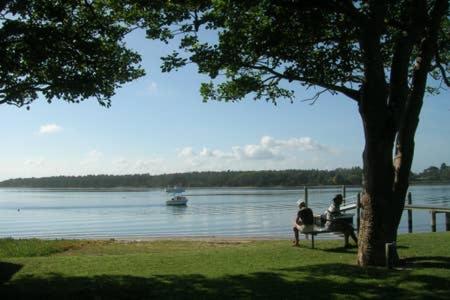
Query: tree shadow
[(373, 282), (435, 262), (7, 271), (402, 247), (326, 281), (352, 249)]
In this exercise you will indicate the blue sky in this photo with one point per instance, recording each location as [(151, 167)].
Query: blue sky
[(159, 124)]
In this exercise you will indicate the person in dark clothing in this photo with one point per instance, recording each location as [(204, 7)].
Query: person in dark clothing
[(303, 222)]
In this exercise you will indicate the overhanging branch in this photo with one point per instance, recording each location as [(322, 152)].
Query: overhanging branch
[(345, 7), (444, 75), (442, 69), (351, 93)]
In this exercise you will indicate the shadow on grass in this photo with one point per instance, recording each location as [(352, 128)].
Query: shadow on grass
[(435, 262), (351, 249), (326, 281), (7, 270)]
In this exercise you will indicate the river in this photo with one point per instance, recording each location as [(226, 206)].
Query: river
[(142, 213)]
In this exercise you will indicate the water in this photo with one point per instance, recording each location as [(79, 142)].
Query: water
[(142, 213)]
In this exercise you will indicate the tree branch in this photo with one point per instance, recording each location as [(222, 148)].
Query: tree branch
[(345, 7), (316, 96), (403, 47), (351, 93), (442, 69)]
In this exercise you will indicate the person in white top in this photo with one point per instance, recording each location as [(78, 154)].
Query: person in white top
[(334, 223)]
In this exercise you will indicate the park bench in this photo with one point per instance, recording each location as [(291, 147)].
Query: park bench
[(319, 227)]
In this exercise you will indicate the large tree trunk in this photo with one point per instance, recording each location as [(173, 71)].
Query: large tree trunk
[(377, 223), (385, 185)]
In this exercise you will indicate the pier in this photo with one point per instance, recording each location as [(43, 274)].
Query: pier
[(409, 206)]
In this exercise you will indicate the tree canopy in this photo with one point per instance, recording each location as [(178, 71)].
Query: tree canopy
[(68, 50), (262, 44)]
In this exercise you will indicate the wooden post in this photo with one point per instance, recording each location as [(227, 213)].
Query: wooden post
[(447, 221), (433, 221), (306, 196), (344, 193), (358, 211), (390, 250), (410, 221)]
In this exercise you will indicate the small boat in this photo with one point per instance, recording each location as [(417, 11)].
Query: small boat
[(177, 200), (175, 189)]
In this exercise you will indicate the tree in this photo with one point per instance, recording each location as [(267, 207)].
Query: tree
[(432, 173), (377, 53), (69, 50)]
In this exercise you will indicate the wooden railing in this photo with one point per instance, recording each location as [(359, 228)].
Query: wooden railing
[(409, 207)]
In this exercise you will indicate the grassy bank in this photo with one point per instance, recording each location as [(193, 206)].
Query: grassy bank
[(32, 269)]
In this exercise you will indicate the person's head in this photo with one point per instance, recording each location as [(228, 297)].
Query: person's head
[(301, 204), (337, 200)]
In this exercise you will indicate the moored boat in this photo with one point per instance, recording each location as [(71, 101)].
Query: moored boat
[(177, 200)]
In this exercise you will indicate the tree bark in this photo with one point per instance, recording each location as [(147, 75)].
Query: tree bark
[(377, 226)]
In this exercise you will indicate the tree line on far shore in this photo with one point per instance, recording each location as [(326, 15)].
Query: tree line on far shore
[(268, 178)]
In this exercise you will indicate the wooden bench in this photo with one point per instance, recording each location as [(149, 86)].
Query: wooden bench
[(319, 228)]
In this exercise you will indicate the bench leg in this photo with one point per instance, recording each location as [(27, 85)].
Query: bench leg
[(312, 241)]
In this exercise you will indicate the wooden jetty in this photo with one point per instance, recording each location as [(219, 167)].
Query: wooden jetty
[(408, 206)]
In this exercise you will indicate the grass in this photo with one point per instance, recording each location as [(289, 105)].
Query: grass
[(63, 269)]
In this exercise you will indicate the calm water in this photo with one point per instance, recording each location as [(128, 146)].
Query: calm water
[(140, 213)]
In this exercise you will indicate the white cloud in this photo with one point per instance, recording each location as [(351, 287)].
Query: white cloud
[(147, 165), (142, 165), (256, 152), (301, 144), (186, 152), (268, 149), (206, 152), (121, 162), (267, 153), (34, 162), (50, 128)]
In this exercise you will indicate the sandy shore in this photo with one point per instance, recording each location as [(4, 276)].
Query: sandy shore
[(214, 239)]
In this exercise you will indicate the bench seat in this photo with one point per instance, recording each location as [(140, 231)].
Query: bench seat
[(317, 230)]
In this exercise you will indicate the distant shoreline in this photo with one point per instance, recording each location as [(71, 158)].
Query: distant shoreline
[(278, 187), (274, 179)]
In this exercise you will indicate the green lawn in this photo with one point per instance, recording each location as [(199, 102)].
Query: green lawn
[(37, 269)]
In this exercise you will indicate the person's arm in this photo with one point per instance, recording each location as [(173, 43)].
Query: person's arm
[(333, 211), (298, 220)]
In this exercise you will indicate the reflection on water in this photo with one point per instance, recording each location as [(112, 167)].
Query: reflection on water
[(134, 213)]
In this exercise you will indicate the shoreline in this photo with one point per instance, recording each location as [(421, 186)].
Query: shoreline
[(161, 238), (269, 187), (211, 238), (202, 239)]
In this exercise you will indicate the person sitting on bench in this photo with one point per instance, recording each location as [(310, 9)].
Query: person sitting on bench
[(333, 223), (303, 222)]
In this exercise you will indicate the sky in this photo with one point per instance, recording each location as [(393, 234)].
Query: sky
[(159, 124)]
